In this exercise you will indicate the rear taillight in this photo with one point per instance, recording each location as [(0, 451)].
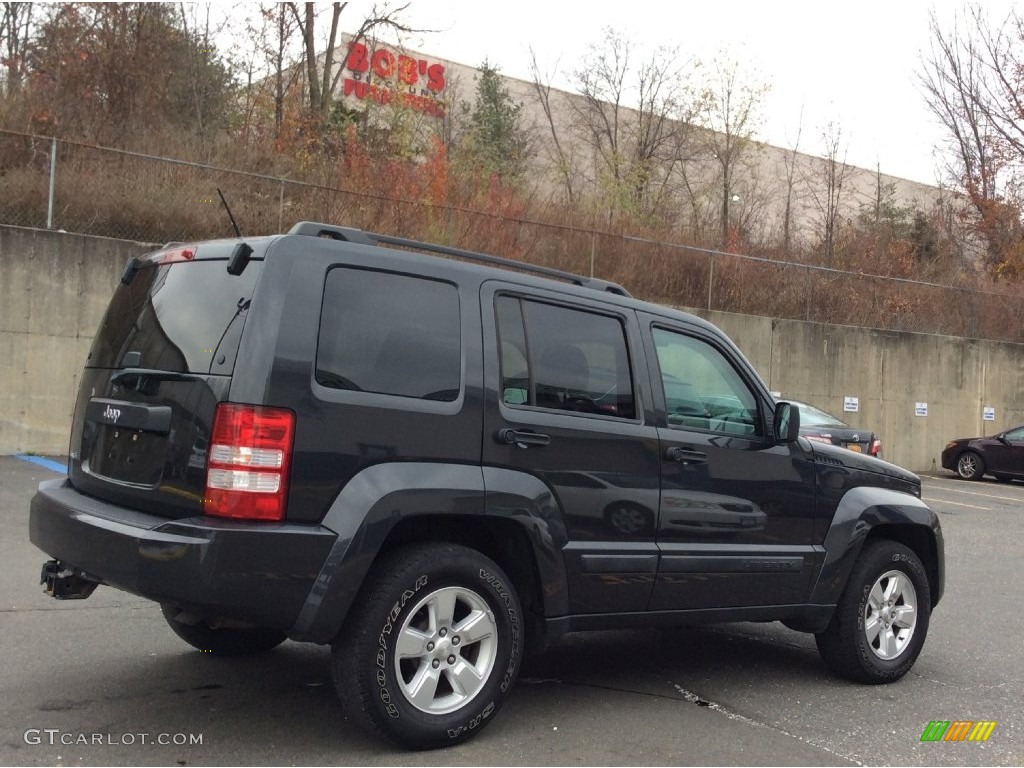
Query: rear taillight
[(247, 466), (876, 447)]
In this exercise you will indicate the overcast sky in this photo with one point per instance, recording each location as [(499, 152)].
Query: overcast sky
[(853, 63)]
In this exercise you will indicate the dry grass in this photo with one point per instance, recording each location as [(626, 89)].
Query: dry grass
[(125, 196)]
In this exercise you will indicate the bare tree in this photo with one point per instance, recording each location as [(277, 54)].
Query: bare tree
[(633, 118), (973, 81), (322, 83), (15, 27), (730, 114), (559, 150), (828, 191), (790, 160)]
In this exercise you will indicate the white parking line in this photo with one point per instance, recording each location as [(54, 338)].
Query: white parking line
[(945, 487), (955, 503)]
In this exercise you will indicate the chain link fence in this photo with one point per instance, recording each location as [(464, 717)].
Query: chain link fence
[(63, 185)]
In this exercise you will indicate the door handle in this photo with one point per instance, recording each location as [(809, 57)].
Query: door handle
[(520, 438), (684, 456)]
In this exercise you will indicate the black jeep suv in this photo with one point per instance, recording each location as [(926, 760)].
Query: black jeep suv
[(435, 463)]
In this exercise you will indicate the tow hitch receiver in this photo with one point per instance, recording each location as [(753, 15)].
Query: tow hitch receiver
[(64, 582)]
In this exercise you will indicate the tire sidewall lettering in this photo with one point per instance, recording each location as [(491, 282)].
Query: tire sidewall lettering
[(382, 642), (502, 592)]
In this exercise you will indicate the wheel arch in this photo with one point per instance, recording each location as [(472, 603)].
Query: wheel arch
[(879, 513), (922, 541), (388, 505), (504, 541)]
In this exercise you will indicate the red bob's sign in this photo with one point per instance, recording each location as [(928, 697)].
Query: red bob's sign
[(389, 78)]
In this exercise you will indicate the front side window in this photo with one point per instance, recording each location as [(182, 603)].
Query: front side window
[(702, 389), (391, 334), (563, 359)]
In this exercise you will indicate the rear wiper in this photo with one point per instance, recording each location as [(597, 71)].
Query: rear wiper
[(133, 377)]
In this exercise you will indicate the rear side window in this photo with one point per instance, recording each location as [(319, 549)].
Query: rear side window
[(391, 334), (563, 358)]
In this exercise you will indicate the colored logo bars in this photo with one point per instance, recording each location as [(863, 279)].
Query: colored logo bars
[(958, 730)]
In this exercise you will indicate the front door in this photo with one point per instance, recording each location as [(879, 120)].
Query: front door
[(737, 509), (565, 404)]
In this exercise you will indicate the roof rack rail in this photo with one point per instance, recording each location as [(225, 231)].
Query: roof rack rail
[(352, 235)]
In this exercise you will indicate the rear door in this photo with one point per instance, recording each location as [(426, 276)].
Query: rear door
[(737, 509), (161, 360), (566, 405)]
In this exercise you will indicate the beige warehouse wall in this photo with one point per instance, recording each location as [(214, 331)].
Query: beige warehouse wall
[(54, 288)]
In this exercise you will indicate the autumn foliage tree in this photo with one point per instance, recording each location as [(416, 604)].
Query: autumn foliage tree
[(113, 71), (973, 81)]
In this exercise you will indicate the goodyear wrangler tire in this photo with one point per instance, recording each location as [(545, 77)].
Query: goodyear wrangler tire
[(881, 620), (432, 646)]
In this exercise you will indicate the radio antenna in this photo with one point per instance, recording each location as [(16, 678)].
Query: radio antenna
[(227, 208)]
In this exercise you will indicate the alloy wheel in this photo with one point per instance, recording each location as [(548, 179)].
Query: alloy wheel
[(446, 650), (890, 615)]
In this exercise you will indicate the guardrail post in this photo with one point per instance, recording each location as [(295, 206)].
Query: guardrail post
[(53, 177)]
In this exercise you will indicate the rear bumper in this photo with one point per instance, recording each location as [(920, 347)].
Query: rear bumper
[(255, 572)]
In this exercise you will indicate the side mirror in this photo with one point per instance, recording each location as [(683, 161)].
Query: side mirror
[(787, 422)]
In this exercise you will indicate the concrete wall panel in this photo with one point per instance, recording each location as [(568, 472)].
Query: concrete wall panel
[(54, 288)]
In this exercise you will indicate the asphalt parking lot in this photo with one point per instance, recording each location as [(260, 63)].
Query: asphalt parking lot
[(102, 681)]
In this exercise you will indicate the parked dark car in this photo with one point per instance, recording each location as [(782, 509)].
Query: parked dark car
[(1001, 456), (822, 427), (432, 465)]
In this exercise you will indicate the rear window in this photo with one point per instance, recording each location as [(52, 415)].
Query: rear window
[(180, 317), (390, 334)]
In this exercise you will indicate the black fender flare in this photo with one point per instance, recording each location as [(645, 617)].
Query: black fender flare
[(861, 510), (374, 501)]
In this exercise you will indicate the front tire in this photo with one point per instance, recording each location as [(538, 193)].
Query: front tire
[(970, 465), (881, 621), (223, 641), (432, 646)]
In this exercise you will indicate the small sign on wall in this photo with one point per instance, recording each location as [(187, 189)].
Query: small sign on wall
[(776, 395), (920, 409), (851, 404), (988, 413)]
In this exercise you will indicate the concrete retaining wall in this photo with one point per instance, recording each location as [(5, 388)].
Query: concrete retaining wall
[(54, 288)]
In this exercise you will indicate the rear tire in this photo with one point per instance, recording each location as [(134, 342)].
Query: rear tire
[(226, 641), (881, 621), (970, 465), (432, 646)]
